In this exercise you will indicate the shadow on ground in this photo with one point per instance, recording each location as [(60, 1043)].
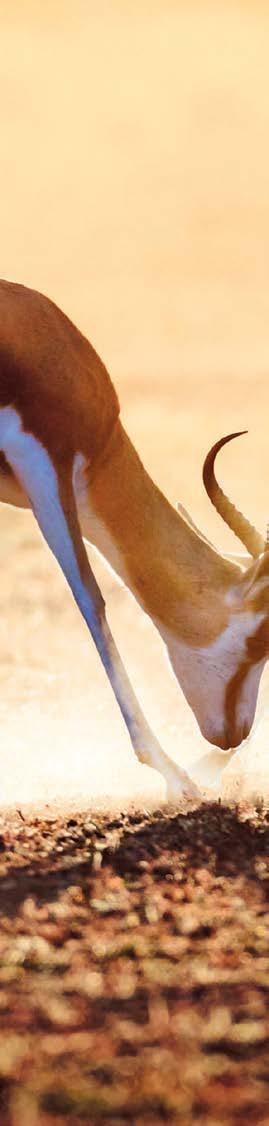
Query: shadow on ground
[(38, 856), (134, 969)]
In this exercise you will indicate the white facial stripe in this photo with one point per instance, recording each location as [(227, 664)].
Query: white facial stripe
[(227, 651), (230, 646)]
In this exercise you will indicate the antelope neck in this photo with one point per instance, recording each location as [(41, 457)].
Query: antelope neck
[(174, 574)]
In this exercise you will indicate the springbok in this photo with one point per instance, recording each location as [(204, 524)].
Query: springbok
[(65, 454)]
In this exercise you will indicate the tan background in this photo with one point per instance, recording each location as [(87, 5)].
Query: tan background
[(134, 191)]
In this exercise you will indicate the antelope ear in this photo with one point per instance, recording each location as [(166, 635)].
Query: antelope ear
[(241, 558), (186, 516)]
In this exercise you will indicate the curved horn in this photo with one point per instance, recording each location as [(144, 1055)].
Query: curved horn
[(248, 535)]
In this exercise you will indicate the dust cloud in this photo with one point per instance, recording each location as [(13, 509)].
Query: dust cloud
[(134, 191)]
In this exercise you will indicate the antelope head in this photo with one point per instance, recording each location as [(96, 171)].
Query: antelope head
[(220, 679)]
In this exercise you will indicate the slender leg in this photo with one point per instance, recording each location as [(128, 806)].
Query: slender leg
[(51, 496)]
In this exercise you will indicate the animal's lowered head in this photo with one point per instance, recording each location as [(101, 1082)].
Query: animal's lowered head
[(220, 678)]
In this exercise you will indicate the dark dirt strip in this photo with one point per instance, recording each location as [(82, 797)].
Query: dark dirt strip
[(134, 969)]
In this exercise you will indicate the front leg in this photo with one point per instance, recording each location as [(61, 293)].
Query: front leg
[(50, 492), (144, 742)]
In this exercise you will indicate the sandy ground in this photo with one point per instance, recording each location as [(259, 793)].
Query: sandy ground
[(141, 206), (134, 969)]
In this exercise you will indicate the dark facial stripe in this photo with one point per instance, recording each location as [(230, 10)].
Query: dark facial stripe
[(257, 650)]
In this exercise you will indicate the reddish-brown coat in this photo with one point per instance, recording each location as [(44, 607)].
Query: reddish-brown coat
[(51, 374)]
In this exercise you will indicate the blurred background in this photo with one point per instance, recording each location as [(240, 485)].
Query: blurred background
[(135, 193)]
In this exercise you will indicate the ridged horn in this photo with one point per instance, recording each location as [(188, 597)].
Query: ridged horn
[(238, 523)]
